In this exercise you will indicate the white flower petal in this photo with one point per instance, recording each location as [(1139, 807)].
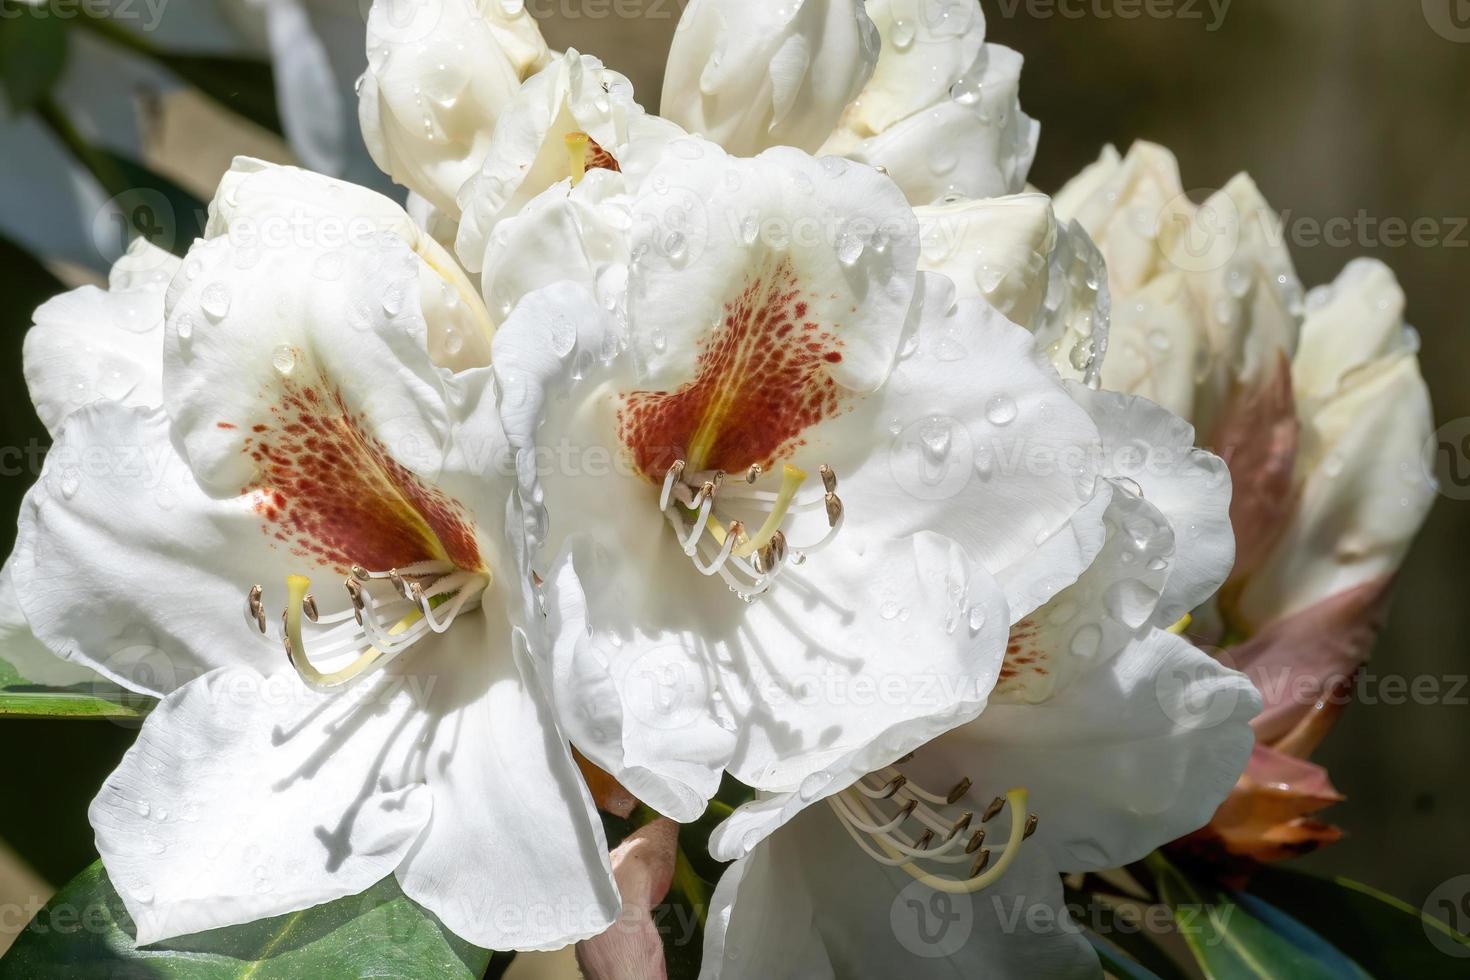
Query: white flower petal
[(437, 81), (513, 856), (713, 230), (851, 917), (125, 565), (246, 797), (1363, 493), (1356, 320), (252, 329), (978, 148), (1125, 759), (920, 60), (528, 153), (578, 235), (28, 656), (984, 446), (752, 74), (1012, 252), (1154, 449), (92, 343), (329, 223)]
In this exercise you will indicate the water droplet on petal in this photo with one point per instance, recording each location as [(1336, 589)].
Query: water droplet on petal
[(283, 358), (69, 484), (563, 335), (1000, 410), (814, 784), (215, 301)]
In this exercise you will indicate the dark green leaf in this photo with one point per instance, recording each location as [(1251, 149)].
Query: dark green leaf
[(32, 54), (142, 202), (1115, 962), (84, 933), (1388, 937), (1127, 935), (1230, 942), (242, 85)]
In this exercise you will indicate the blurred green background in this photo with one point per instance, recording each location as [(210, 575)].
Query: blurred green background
[(1335, 107)]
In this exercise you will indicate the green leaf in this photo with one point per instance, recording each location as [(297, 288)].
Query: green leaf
[(32, 54), (1388, 937), (96, 704), (243, 85), (1124, 937), (84, 932), (1230, 939), (1115, 962)]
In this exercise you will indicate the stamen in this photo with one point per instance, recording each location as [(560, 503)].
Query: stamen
[(376, 627), (255, 608), (941, 840), (791, 481), (577, 145)]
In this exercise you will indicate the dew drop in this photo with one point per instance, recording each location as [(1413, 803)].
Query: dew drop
[(937, 436), (69, 484), (902, 34), (185, 326), (976, 617), (563, 335), (283, 359), (849, 247), (215, 301), (1000, 410), (814, 784)]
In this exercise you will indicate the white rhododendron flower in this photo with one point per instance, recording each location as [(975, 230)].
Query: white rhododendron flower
[(1105, 737), (1013, 253), (906, 85), (790, 518), (1318, 404), (573, 117), (439, 75), (306, 436)]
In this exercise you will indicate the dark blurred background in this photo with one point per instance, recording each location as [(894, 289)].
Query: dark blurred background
[(1337, 108)]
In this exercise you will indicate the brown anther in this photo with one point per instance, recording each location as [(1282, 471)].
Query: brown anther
[(707, 489), (754, 473), (834, 509), (924, 840), (995, 807), (829, 478), (308, 606), (958, 790), (893, 786), (677, 469), (416, 593), (980, 863), (354, 592), (360, 573), (960, 825), (737, 530), (398, 582), (976, 839), (777, 548), (909, 808), (257, 606), (1031, 821)]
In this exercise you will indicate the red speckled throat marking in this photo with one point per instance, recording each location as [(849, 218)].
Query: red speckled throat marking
[(335, 496), (762, 378)]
